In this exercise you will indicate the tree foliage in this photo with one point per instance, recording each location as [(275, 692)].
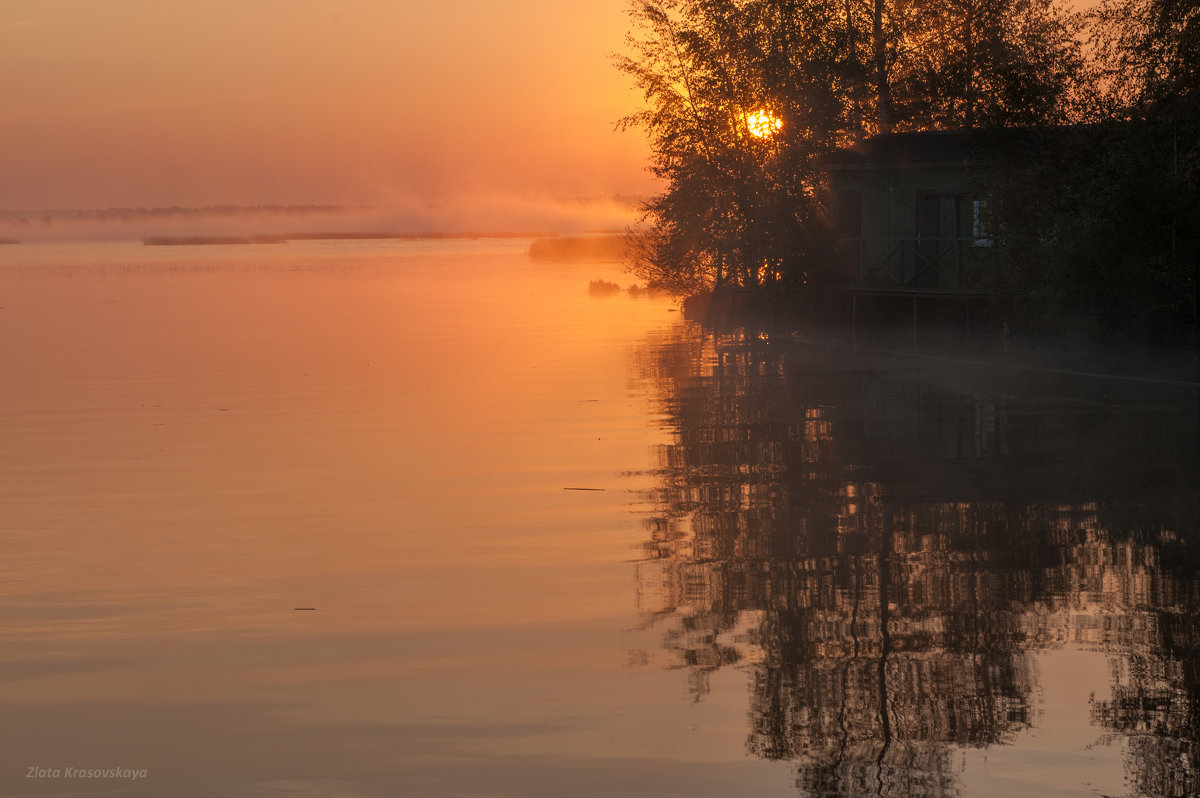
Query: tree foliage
[(1149, 56), (1102, 228)]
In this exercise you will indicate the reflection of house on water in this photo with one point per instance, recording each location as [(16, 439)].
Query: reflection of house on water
[(886, 549)]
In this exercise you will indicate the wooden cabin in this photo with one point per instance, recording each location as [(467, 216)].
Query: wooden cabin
[(912, 213)]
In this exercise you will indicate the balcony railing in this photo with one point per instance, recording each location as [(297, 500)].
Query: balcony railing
[(922, 262)]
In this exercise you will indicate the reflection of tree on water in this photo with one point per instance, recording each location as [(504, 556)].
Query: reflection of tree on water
[(1152, 580), (888, 546)]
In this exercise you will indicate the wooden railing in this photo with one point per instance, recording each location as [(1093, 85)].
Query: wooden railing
[(922, 262)]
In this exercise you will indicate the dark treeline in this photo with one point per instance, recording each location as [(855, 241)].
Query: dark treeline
[(888, 549), (745, 98)]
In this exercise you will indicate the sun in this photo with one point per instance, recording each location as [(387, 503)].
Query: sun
[(763, 124)]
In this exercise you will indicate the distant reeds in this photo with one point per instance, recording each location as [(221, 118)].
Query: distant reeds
[(195, 241)]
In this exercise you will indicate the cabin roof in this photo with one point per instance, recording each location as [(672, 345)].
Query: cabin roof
[(947, 148), (901, 150)]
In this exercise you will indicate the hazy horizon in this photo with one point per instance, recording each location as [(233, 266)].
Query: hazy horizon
[(159, 103), (479, 214)]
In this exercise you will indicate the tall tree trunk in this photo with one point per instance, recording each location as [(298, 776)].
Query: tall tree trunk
[(882, 90), (852, 72), (969, 78)]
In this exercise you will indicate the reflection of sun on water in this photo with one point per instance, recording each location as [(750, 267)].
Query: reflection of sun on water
[(763, 124)]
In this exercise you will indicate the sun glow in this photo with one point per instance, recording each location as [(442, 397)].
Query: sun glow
[(763, 124)]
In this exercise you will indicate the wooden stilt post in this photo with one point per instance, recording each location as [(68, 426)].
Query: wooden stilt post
[(914, 299), (854, 321)]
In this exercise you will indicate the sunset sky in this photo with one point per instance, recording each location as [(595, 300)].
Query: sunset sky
[(165, 102)]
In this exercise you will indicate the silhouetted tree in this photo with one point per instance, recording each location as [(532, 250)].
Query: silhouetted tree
[(742, 100)]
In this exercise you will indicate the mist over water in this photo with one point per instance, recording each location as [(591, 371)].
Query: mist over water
[(463, 214)]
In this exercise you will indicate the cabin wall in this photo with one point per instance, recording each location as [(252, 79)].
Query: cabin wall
[(910, 226)]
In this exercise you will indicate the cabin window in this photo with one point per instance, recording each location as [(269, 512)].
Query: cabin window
[(981, 223)]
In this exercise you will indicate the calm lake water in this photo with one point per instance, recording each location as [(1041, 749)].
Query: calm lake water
[(558, 543)]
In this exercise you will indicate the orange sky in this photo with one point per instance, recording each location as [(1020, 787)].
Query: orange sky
[(163, 102)]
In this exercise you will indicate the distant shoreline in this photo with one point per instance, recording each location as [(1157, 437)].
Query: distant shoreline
[(181, 241)]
